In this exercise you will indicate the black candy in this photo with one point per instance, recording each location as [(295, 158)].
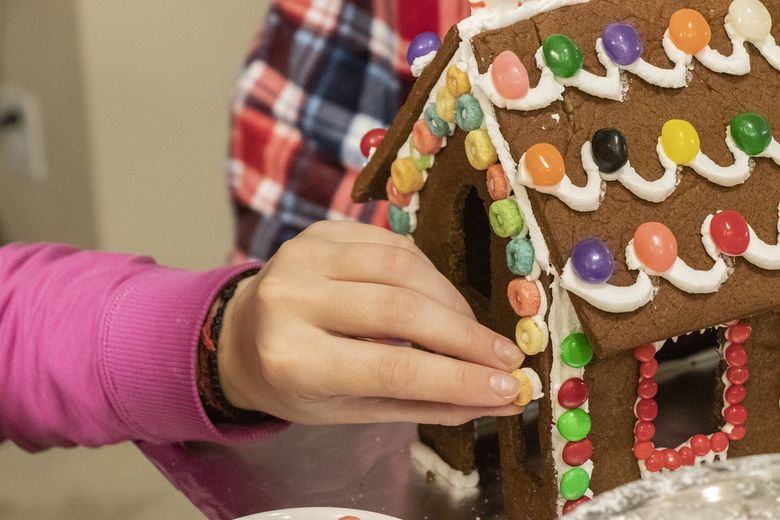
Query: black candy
[(610, 151)]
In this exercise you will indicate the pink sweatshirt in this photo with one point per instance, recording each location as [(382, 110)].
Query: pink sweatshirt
[(98, 348)]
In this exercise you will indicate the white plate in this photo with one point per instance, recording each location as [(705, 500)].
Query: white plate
[(317, 513)]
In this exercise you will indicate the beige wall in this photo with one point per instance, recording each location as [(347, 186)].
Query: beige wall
[(136, 102)]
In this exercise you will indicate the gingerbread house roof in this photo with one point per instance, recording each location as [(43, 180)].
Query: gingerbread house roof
[(706, 286)]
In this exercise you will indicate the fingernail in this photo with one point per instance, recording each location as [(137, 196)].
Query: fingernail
[(508, 353), (504, 385)]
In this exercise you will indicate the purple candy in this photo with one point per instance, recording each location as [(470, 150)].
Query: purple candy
[(593, 261), (421, 45), (623, 44)]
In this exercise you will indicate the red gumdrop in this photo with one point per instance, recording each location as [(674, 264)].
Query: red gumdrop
[(647, 388), (646, 409), (739, 333), (648, 369), (573, 393), (735, 394), (700, 444), (371, 140), (687, 456), (719, 441), (730, 232), (736, 414), (672, 459), (655, 462), (577, 453), (644, 430), (737, 375), (736, 355), (571, 505), (737, 433), (643, 450), (645, 352)]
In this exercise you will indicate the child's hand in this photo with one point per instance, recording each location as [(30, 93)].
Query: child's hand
[(290, 344)]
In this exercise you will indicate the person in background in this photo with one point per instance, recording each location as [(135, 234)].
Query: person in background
[(99, 348)]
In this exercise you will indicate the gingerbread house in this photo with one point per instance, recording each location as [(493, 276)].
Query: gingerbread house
[(598, 177)]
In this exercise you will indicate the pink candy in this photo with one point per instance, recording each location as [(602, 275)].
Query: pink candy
[(510, 76), (524, 297), (496, 182), (424, 141)]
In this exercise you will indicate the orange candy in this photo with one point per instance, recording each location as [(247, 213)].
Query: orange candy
[(545, 164), (689, 31), (655, 246), (496, 182)]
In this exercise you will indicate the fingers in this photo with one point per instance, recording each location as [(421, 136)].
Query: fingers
[(371, 310), (395, 266)]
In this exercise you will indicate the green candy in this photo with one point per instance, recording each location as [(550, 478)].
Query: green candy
[(506, 219), (574, 484), (576, 350), (574, 425), (751, 132), (400, 221), (438, 126), (421, 162), (468, 113), (562, 55), (520, 256)]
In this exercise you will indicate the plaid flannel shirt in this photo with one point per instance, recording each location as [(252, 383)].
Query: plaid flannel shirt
[(319, 76)]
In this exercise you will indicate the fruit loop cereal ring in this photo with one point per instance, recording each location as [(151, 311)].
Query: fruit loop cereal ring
[(397, 199), (406, 177), (468, 113), (524, 297), (505, 218), (400, 222), (497, 185), (480, 150), (530, 386), (530, 337), (423, 139), (423, 162), (520, 256), (438, 126), (445, 105), (457, 81)]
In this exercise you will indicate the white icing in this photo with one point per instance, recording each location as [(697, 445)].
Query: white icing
[(770, 50), (727, 176), (536, 383), (534, 231), (609, 298), (608, 87), (421, 62), (430, 461), (578, 198), (545, 93), (772, 152), (676, 77), (738, 63), (683, 276), (761, 254)]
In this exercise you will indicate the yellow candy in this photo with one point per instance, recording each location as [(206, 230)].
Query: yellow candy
[(480, 150), (406, 177), (445, 105), (530, 337), (530, 386), (457, 81), (680, 141)]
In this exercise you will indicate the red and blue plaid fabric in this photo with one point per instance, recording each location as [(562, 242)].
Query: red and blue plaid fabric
[(320, 75)]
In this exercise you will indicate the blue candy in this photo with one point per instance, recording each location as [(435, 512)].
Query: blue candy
[(400, 222), (438, 126), (520, 256), (468, 113)]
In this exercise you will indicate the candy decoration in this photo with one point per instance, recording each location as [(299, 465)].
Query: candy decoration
[(751, 19), (458, 82), (736, 414), (646, 409), (700, 444), (529, 337), (562, 55), (423, 162), (730, 232), (576, 350), (400, 221), (506, 219), (672, 459), (371, 140), (622, 43), (689, 31), (644, 431), (468, 113), (647, 389), (751, 132), (421, 45), (480, 150), (573, 393), (520, 256), (528, 380), (406, 177), (577, 453), (524, 297), (497, 185), (655, 246), (643, 450), (592, 260), (737, 375), (423, 139), (739, 333), (395, 197), (737, 433), (438, 126), (720, 442), (687, 456), (545, 164), (610, 151), (574, 483), (510, 76), (445, 105), (680, 141), (735, 394), (574, 425), (645, 352), (571, 505), (648, 369), (655, 462)]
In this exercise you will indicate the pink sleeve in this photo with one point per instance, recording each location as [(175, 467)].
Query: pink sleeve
[(98, 348)]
